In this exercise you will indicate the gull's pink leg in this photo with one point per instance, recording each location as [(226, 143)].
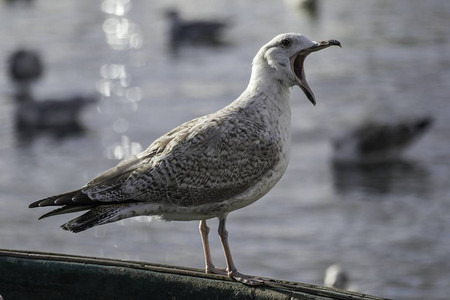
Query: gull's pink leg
[(209, 266), (231, 268)]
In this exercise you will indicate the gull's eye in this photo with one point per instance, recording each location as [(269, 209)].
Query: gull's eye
[(286, 42)]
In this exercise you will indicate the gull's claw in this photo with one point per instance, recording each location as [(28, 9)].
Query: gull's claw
[(235, 275), (246, 279), (214, 270)]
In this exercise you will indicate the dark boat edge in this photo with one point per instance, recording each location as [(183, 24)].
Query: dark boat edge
[(40, 275)]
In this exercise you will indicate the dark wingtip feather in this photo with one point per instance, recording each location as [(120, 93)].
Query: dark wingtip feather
[(34, 204), (44, 202), (65, 210), (56, 200), (65, 199)]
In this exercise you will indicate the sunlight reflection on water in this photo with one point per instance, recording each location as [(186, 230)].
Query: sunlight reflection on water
[(123, 36)]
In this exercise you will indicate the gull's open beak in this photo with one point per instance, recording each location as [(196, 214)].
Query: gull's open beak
[(297, 66)]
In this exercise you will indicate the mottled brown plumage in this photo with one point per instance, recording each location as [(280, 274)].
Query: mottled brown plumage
[(211, 165)]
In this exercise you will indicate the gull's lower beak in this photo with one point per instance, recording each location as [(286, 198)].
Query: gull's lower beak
[(297, 66)]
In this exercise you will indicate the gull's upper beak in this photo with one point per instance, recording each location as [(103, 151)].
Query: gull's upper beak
[(297, 66)]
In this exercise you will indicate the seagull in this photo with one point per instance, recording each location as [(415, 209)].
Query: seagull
[(194, 32), (336, 277), (376, 142), (209, 166)]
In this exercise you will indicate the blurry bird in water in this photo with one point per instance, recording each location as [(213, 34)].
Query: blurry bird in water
[(209, 166), (58, 115), (378, 142), (193, 32), (336, 277)]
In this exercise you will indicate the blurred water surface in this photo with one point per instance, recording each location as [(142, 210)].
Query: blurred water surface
[(387, 226)]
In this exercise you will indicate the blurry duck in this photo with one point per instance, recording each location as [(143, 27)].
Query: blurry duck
[(309, 4), (58, 115), (194, 32), (336, 277), (378, 142), (311, 7)]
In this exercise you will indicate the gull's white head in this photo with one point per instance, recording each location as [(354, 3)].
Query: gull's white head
[(283, 58)]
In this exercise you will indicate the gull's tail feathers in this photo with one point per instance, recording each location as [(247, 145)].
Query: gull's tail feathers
[(104, 214), (98, 212), (98, 215)]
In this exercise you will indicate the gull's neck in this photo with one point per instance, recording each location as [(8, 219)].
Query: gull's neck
[(266, 98), (263, 80)]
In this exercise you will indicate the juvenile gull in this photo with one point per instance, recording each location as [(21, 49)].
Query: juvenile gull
[(209, 166)]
